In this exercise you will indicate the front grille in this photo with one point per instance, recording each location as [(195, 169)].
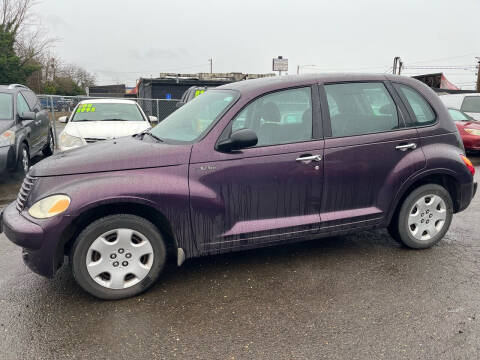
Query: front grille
[(24, 192), (93, 140)]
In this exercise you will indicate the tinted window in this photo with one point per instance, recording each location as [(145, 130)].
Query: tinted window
[(471, 104), (420, 107), (360, 108), (107, 112), (458, 115), (22, 105), (6, 107), (279, 118)]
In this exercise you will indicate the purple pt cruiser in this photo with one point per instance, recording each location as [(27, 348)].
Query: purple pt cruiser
[(246, 165)]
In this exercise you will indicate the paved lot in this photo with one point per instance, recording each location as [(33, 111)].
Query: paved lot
[(353, 297)]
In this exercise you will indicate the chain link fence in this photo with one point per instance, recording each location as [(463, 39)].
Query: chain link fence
[(58, 106)]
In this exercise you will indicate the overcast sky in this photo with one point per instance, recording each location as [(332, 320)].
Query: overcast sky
[(120, 41)]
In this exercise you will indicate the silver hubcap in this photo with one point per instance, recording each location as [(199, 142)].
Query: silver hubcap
[(427, 217), (25, 162), (119, 258)]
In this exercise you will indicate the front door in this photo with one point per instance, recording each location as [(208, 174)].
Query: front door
[(267, 193), (369, 153)]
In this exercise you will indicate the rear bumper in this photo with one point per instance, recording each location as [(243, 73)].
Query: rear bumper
[(37, 254)]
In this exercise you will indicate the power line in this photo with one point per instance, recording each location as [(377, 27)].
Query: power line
[(445, 58)]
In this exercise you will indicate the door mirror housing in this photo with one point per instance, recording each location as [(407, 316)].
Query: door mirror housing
[(28, 115), (153, 120), (179, 104), (62, 119), (239, 139)]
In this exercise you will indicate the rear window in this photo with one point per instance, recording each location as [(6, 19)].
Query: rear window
[(6, 107), (422, 110), (471, 104), (360, 108)]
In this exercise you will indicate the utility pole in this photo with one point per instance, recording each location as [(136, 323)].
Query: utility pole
[(211, 65), (397, 63), (478, 74)]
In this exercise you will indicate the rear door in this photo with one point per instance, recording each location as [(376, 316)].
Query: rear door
[(266, 193), (369, 152)]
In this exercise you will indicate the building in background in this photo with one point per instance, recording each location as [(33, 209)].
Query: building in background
[(172, 86)]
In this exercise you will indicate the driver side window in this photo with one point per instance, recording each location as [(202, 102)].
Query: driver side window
[(22, 105), (278, 118)]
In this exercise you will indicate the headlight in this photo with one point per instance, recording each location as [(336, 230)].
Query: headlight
[(70, 141), (7, 138), (49, 206), (473, 131)]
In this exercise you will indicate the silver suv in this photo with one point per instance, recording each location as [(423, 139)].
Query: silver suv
[(24, 128)]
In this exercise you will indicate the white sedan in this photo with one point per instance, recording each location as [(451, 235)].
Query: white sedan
[(96, 120)]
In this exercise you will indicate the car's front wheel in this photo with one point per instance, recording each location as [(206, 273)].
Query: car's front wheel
[(23, 162), (118, 256), (50, 145), (424, 217)]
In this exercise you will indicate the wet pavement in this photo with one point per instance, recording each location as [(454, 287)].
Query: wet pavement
[(352, 297)]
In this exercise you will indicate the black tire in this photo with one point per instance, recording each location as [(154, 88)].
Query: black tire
[(50, 146), (23, 159), (78, 255), (399, 228)]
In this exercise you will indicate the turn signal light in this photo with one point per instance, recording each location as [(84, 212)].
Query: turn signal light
[(469, 164)]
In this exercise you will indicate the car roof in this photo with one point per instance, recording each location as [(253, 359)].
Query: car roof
[(107, 101), (279, 82)]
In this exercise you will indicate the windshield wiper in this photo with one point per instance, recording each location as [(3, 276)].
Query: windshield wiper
[(153, 136), (114, 120)]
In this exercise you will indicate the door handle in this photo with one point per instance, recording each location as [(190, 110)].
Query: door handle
[(309, 158), (405, 147)]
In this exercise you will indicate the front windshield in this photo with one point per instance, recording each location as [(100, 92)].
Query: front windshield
[(458, 115), (471, 104), (107, 112), (6, 106), (193, 119)]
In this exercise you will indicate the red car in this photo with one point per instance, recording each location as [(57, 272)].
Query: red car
[(469, 129)]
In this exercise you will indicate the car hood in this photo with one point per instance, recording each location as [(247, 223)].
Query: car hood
[(5, 125), (105, 129), (111, 155), (469, 124)]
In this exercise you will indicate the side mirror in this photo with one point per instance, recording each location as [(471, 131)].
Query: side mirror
[(240, 139), (153, 119), (62, 119), (28, 115), (179, 104)]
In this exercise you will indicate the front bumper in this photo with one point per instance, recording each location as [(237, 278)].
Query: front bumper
[(39, 252)]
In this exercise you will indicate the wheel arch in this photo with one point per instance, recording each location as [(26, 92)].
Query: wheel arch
[(122, 207), (442, 177)]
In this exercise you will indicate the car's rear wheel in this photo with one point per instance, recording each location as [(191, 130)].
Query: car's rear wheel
[(424, 217), (23, 162), (118, 256), (50, 146)]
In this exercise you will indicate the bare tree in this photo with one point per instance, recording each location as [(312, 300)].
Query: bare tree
[(30, 38)]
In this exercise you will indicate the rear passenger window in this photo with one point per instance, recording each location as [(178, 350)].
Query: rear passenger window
[(360, 108), (424, 114), (279, 118)]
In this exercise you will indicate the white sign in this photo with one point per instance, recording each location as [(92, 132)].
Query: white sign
[(280, 64)]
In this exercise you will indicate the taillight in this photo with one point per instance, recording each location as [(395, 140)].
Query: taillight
[(469, 164)]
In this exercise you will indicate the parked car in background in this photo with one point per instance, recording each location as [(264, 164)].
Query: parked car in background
[(191, 93), (467, 103), (351, 162), (100, 119), (24, 128), (469, 129)]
